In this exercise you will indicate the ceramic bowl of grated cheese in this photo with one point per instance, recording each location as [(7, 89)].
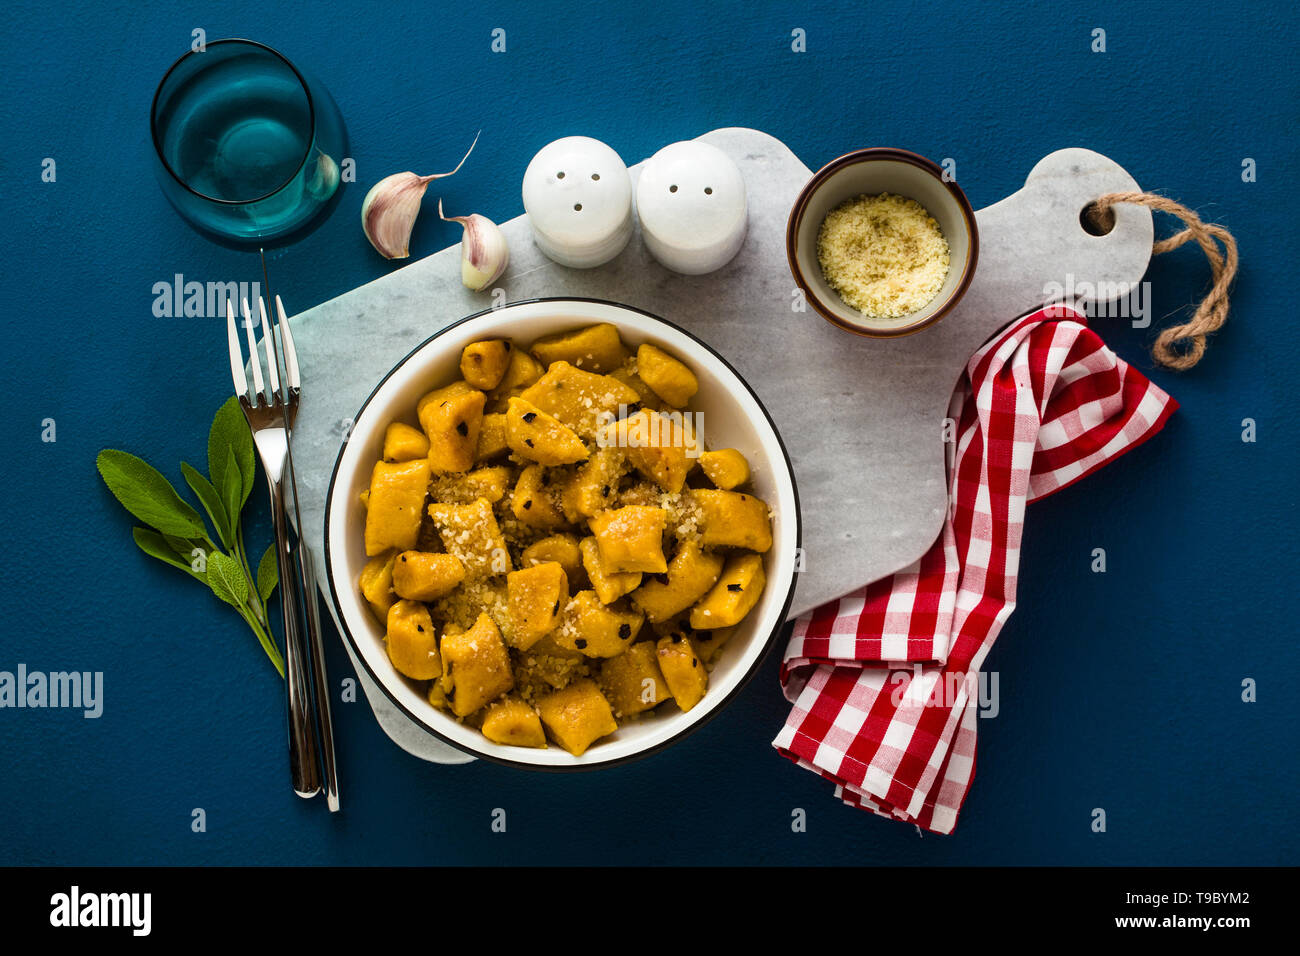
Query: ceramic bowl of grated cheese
[(882, 243)]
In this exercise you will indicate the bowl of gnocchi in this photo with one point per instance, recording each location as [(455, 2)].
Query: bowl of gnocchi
[(563, 533)]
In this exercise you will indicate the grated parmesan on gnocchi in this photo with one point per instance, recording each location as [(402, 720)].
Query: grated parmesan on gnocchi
[(545, 552)]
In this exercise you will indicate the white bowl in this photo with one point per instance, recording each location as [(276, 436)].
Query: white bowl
[(733, 417)]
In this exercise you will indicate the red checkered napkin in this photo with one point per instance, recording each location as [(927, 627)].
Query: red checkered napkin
[(884, 680)]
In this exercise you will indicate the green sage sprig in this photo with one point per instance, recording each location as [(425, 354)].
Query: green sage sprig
[(176, 533)]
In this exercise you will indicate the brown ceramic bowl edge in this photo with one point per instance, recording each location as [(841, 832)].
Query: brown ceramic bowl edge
[(880, 152)]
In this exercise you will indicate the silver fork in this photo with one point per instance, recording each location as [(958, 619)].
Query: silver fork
[(316, 644), (270, 419)]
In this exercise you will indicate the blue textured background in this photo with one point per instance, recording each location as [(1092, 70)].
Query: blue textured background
[(1118, 690)]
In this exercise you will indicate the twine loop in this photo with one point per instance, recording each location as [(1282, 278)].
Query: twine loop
[(1180, 347)]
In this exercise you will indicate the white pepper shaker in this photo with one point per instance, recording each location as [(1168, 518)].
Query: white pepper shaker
[(578, 197), (691, 203)]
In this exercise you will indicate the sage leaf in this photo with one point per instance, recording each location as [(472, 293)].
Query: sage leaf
[(230, 432), (185, 550), (234, 489), (226, 578), (145, 493), (268, 574), (157, 546), (211, 501)]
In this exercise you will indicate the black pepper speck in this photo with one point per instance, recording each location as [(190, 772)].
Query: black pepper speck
[(462, 429), (625, 631), (734, 587), (580, 643), (529, 416)]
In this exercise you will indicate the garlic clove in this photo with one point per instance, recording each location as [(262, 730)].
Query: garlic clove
[(484, 253), (389, 210)]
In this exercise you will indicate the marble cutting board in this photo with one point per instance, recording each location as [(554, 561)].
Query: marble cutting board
[(861, 418)]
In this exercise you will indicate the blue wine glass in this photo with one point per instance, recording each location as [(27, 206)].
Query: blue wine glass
[(248, 146)]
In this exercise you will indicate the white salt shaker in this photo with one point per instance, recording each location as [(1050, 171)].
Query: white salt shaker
[(691, 203), (578, 197)]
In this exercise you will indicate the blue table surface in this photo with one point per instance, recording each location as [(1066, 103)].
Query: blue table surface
[(1120, 691)]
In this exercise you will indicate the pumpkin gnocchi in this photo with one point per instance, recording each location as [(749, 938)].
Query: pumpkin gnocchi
[(545, 556)]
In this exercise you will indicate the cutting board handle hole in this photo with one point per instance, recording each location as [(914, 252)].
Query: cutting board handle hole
[(1097, 220)]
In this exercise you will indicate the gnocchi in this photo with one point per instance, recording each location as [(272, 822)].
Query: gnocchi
[(553, 551)]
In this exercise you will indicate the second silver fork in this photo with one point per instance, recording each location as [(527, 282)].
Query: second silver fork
[(306, 566), (270, 419)]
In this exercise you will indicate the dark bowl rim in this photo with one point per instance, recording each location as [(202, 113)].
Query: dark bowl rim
[(690, 728), (157, 140), (869, 154)]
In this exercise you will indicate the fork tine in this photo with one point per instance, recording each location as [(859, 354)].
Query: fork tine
[(268, 346), (290, 353), (253, 360), (236, 355)]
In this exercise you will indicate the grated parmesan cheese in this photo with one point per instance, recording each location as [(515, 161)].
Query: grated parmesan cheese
[(884, 255)]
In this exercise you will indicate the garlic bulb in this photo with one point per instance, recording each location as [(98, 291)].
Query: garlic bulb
[(484, 253), (389, 209)]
